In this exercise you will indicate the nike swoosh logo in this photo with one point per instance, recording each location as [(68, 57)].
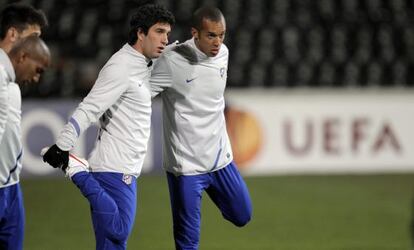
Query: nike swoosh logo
[(190, 80)]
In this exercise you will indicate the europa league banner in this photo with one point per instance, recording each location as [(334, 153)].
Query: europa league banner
[(278, 132)]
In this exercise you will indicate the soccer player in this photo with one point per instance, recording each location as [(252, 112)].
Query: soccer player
[(121, 101), (197, 152), (21, 62)]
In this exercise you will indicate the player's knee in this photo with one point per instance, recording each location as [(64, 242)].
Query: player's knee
[(242, 220)]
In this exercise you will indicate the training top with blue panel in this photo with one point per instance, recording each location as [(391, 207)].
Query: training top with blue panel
[(10, 124), (192, 90), (121, 100)]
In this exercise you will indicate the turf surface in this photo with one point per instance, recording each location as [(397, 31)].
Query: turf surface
[(290, 212)]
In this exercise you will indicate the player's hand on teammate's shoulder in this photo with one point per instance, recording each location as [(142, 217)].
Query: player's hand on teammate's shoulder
[(56, 157)]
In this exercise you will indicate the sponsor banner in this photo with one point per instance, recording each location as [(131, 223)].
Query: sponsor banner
[(321, 132), (42, 122)]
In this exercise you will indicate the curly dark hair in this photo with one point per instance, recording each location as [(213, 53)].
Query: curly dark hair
[(19, 16), (146, 16)]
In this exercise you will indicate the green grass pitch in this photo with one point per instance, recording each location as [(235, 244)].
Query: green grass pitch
[(289, 212)]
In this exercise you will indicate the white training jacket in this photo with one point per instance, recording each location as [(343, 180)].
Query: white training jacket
[(121, 100), (10, 124), (192, 89)]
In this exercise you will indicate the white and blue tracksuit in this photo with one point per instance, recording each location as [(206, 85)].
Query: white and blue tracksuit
[(120, 99), (197, 150), (11, 200)]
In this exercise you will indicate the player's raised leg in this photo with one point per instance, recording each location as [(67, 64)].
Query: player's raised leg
[(113, 210), (229, 192)]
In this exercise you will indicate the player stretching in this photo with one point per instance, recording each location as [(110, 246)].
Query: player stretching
[(197, 153), (120, 99)]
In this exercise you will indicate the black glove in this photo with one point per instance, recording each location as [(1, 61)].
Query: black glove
[(56, 157)]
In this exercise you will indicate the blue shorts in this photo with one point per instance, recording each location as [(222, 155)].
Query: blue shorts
[(226, 189), (11, 217), (112, 197)]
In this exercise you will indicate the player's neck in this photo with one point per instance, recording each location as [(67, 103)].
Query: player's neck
[(6, 46), (138, 48)]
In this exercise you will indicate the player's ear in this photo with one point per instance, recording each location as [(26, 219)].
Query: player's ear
[(140, 34), (195, 34), (12, 34), (22, 56)]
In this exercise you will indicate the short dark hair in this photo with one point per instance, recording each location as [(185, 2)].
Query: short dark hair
[(207, 12), (19, 16), (145, 17), (33, 45)]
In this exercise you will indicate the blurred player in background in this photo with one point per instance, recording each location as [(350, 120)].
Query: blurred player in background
[(22, 60), (121, 100), (197, 152)]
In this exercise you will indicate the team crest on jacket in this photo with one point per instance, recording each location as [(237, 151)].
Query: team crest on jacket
[(222, 71), (127, 178)]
